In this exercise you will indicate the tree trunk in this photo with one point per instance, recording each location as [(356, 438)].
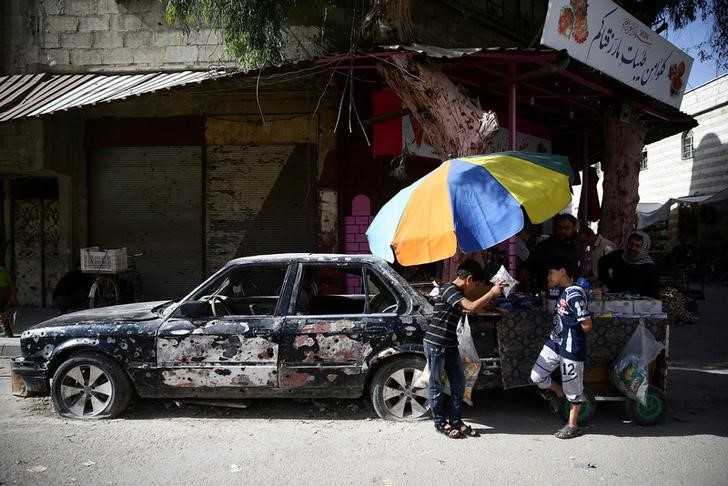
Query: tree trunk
[(453, 125), (623, 144), (389, 21)]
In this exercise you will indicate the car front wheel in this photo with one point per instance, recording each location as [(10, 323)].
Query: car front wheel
[(90, 385), (393, 394)]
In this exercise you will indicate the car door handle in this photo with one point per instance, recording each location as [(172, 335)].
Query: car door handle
[(180, 332)]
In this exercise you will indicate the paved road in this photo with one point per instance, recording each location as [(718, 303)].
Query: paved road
[(341, 442)]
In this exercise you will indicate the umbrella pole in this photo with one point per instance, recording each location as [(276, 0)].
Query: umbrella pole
[(512, 146)]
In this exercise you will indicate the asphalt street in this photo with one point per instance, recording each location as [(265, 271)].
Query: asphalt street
[(342, 442)]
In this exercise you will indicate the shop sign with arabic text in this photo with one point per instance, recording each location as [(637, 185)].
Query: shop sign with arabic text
[(604, 36)]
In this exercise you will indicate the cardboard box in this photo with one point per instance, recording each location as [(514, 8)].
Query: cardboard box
[(619, 306), (647, 305), (596, 307)]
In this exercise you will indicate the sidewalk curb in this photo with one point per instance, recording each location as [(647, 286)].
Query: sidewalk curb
[(9, 347)]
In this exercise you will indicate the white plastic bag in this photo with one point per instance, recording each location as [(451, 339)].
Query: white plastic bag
[(468, 357), (502, 276), (629, 371), (424, 379)]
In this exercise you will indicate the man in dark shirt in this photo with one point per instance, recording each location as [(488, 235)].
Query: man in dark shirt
[(631, 269), (563, 245), (441, 347)]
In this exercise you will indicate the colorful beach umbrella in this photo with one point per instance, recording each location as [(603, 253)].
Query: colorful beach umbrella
[(471, 202)]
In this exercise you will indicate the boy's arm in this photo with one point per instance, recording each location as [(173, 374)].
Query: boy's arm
[(480, 303), (586, 325)]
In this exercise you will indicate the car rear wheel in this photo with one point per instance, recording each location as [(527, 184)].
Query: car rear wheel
[(90, 385), (393, 394)]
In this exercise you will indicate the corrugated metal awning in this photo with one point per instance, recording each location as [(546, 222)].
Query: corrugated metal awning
[(30, 95)]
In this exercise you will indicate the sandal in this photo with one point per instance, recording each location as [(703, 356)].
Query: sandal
[(467, 430), (567, 432), (449, 431)]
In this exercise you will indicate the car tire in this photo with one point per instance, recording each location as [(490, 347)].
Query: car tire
[(392, 393), (90, 385)]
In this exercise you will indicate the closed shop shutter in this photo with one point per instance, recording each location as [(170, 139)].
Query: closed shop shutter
[(260, 200), (149, 199)]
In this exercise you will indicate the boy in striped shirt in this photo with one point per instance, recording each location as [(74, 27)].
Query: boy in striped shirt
[(441, 347)]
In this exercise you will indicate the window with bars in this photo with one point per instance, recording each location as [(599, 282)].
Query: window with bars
[(687, 145), (643, 162)]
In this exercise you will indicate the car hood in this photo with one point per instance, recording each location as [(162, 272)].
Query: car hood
[(137, 312)]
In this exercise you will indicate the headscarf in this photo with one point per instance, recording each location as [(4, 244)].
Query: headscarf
[(643, 256)]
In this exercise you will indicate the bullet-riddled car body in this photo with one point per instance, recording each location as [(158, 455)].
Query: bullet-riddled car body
[(292, 325)]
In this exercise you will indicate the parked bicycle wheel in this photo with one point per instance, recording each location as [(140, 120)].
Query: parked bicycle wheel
[(104, 292)]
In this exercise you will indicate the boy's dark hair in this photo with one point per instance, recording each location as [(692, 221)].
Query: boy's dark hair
[(473, 268), (568, 266)]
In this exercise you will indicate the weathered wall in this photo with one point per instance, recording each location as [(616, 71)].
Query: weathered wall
[(132, 35), (668, 174), (100, 35)]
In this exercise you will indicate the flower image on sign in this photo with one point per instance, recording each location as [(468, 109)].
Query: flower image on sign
[(605, 37)]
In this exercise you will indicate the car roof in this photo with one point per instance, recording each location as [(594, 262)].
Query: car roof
[(307, 257)]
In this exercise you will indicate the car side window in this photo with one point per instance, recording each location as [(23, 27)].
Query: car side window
[(381, 299), (245, 290), (342, 290), (330, 290)]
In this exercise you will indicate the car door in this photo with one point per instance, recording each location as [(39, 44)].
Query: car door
[(331, 327), (229, 345)]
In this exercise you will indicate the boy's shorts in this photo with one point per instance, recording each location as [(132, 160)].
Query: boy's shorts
[(572, 374)]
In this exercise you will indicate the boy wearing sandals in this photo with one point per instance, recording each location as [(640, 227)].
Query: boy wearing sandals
[(441, 347), (566, 346)]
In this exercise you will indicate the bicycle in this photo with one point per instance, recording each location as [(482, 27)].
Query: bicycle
[(117, 279)]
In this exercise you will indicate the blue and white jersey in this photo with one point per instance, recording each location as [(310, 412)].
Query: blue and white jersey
[(567, 338)]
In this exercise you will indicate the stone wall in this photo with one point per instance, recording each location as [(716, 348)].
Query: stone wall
[(100, 36)]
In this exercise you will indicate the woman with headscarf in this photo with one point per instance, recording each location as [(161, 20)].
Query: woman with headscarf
[(631, 269)]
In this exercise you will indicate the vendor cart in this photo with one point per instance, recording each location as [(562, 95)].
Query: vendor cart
[(508, 343)]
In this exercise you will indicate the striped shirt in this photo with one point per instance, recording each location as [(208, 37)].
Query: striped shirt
[(441, 331)]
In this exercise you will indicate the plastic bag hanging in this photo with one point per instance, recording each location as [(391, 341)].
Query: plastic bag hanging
[(468, 357), (629, 371)]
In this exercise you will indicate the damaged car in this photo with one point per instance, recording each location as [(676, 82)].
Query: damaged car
[(292, 325)]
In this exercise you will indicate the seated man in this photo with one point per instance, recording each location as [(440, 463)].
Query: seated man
[(598, 247), (631, 269)]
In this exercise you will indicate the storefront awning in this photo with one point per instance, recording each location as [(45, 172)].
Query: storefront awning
[(32, 95), (651, 213)]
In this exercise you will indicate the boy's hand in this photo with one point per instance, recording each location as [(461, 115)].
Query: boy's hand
[(497, 289)]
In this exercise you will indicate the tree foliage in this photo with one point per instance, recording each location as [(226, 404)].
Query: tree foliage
[(252, 29), (680, 13)]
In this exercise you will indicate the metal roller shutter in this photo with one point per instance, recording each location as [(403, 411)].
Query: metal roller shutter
[(260, 200), (149, 198)]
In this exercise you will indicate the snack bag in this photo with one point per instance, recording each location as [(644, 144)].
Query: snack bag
[(509, 283)]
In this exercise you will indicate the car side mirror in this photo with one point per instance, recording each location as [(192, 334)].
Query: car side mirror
[(195, 308)]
